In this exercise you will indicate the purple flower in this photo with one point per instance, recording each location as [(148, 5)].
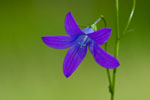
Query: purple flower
[(78, 40)]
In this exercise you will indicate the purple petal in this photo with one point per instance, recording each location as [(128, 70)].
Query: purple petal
[(101, 36), (88, 30), (73, 58), (102, 57), (71, 26), (58, 42)]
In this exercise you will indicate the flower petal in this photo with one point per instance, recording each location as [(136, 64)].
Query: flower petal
[(73, 58), (101, 36), (102, 57), (58, 42), (88, 30), (71, 26)]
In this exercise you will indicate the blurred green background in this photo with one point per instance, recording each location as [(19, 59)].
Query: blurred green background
[(29, 70)]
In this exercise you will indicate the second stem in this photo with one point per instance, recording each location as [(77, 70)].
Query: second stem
[(116, 49)]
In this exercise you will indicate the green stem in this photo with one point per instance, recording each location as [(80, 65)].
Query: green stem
[(113, 84), (118, 41), (116, 49), (108, 74), (115, 70), (130, 18), (107, 70)]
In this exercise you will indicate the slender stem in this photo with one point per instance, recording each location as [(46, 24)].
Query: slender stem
[(98, 20), (109, 78), (115, 70), (105, 24), (116, 49), (107, 70), (118, 41), (130, 18), (117, 20), (108, 74)]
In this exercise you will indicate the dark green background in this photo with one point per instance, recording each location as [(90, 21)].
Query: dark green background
[(29, 70)]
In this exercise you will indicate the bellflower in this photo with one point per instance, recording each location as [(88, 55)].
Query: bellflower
[(77, 41)]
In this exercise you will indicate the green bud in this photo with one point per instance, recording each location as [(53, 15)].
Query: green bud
[(94, 27)]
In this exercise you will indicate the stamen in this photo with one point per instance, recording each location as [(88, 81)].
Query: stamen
[(97, 20), (84, 41), (101, 18)]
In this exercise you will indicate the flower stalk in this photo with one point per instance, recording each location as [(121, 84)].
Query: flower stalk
[(130, 18), (118, 37), (116, 49), (94, 26)]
